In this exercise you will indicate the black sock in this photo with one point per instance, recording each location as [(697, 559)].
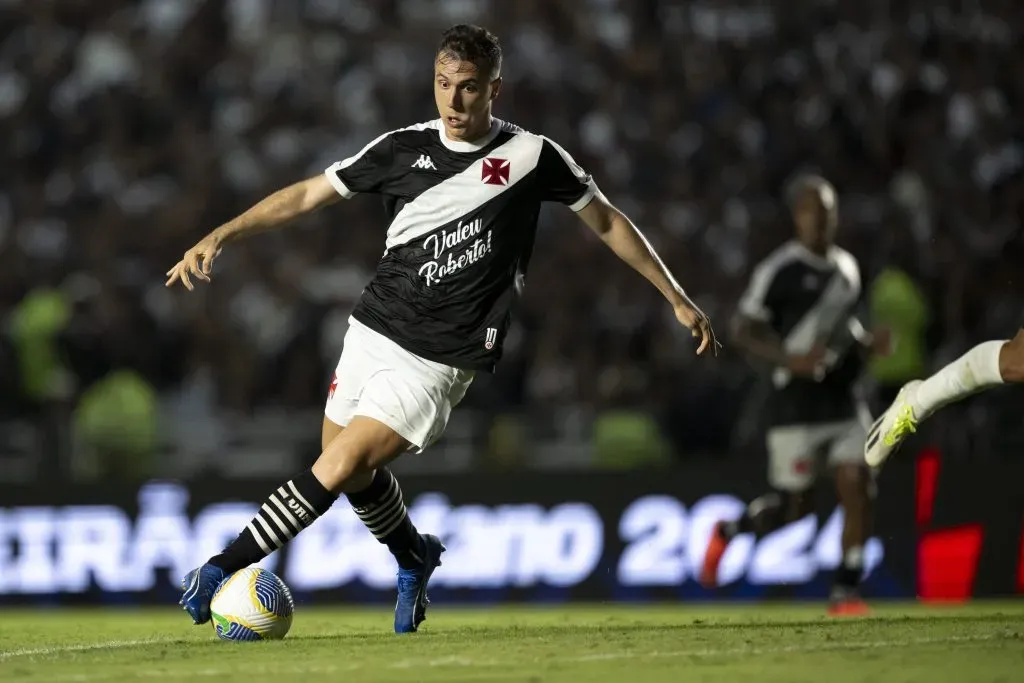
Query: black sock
[(849, 571), (381, 508), (288, 510)]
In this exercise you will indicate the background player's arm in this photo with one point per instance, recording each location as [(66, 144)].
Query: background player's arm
[(751, 330), (273, 211), (759, 341)]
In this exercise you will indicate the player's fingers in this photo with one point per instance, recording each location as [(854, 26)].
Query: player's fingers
[(195, 269), (208, 262), (704, 339), (185, 279), (716, 346), (174, 274)]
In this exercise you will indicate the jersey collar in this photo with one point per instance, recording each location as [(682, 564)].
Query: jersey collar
[(476, 145), (810, 258)]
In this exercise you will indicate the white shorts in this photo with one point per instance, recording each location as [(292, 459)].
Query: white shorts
[(795, 452), (379, 379)]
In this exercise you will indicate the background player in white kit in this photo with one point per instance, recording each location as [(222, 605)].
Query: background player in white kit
[(462, 193)]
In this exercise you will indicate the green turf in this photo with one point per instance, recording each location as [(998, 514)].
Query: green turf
[(976, 644)]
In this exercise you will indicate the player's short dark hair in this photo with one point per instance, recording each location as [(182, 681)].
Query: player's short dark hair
[(813, 184), (474, 44), (818, 186)]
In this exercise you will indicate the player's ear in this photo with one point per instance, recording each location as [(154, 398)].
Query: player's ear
[(495, 87)]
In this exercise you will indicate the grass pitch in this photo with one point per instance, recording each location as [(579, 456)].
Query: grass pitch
[(768, 644)]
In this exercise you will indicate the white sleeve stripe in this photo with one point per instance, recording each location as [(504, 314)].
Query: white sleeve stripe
[(345, 163), (752, 302), (332, 171), (576, 169), (580, 174), (752, 309), (587, 197), (336, 181)]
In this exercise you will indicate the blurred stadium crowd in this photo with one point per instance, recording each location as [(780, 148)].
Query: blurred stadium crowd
[(130, 129)]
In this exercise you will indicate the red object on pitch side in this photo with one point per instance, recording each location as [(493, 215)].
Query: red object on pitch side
[(928, 466), (713, 557), (849, 608), (947, 559)]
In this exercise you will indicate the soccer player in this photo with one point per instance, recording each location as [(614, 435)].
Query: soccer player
[(987, 365), (462, 194), (798, 314)]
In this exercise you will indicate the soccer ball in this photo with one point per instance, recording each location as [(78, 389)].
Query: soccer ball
[(252, 604)]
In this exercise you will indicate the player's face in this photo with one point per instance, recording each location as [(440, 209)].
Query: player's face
[(464, 96), (812, 220)]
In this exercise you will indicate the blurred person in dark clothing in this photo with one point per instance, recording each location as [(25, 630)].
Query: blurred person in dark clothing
[(799, 314)]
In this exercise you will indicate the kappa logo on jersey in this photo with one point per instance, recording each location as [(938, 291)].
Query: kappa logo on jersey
[(495, 171), (492, 336), (424, 162)]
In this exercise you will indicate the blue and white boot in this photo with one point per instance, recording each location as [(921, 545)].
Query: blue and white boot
[(199, 585), (411, 608)]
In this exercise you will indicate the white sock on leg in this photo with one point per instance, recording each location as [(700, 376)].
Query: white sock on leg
[(972, 372)]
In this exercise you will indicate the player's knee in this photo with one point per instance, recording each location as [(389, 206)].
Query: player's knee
[(342, 466), (328, 432), (347, 463), (1011, 359)]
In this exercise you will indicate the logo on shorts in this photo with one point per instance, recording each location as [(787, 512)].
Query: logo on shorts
[(492, 336), (334, 385)]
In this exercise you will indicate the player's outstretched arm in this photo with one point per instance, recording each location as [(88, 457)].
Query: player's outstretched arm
[(629, 244), (272, 212)]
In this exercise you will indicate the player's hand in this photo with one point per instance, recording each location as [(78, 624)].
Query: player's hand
[(699, 325), (810, 365), (197, 261)]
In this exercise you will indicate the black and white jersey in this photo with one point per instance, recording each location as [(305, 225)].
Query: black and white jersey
[(808, 299), (463, 217)]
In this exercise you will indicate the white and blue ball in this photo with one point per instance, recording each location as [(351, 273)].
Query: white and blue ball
[(252, 604)]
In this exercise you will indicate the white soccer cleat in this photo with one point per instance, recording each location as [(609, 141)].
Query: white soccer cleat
[(892, 428)]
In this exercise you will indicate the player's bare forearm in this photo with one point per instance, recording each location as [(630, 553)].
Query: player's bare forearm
[(272, 212), (629, 244), (278, 209)]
